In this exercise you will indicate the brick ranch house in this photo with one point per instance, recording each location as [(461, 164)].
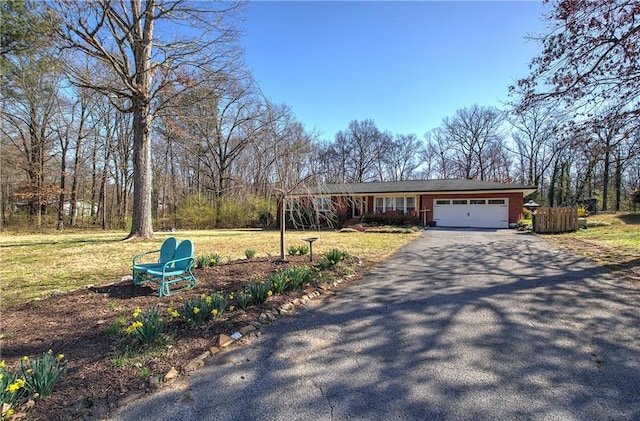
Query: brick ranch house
[(446, 203)]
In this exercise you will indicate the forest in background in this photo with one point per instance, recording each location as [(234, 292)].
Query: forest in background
[(84, 103)]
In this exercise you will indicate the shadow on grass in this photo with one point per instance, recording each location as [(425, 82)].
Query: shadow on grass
[(630, 218)]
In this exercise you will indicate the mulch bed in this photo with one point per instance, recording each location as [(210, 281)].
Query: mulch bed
[(76, 324)]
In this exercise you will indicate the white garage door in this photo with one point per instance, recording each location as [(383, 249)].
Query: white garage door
[(476, 213)]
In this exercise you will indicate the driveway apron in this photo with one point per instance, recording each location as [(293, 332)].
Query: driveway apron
[(457, 325)]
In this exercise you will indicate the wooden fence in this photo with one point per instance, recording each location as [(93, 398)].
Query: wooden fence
[(555, 220)]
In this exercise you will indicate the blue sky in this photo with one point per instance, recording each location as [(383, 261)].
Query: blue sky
[(406, 65)]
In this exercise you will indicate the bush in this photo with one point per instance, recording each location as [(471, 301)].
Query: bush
[(196, 212), (389, 219), (526, 214), (292, 250), (303, 250)]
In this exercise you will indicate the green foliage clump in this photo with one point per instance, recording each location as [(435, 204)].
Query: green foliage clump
[(292, 250), (278, 282), (147, 327), (335, 256), (36, 378), (208, 260), (250, 253), (298, 276), (243, 298), (259, 292), (196, 212), (303, 249), (198, 311)]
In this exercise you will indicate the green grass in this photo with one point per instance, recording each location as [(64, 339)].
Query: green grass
[(37, 266), (624, 230)]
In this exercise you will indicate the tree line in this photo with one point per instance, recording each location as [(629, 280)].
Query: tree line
[(111, 117)]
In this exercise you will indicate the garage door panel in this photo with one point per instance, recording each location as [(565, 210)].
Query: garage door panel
[(476, 213)]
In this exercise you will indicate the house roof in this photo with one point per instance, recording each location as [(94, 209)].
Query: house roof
[(412, 186)]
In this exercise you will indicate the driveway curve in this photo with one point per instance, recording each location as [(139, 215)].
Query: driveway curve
[(457, 325)]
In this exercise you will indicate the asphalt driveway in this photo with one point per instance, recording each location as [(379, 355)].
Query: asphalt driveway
[(458, 325)]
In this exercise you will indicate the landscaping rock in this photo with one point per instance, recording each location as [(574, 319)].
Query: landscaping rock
[(193, 365), (214, 350), (224, 340), (247, 329), (171, 374)]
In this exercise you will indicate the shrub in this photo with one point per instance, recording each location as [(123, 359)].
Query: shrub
[(390, 219), (250, 253), (303, 250), (146, 327), (292, 250), (259, 292), (196, 212)]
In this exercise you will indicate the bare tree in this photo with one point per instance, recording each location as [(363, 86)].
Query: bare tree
[(589, 58), (142, 63), (473, 133)]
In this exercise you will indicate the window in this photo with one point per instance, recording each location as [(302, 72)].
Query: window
[(411, 204), (323, 204), (443, 202), (477, 202), (388, 204), (379, 205), (496, 201), (404, 204), (459, 202)]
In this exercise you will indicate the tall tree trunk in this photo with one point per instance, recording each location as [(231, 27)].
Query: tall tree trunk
[(142, 224)]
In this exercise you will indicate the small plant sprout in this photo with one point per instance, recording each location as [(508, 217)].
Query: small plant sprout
[(250, 253)]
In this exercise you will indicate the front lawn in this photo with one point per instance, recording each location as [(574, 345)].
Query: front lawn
[(37, 266)]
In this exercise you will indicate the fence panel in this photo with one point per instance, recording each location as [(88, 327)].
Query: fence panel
[(555, 220)]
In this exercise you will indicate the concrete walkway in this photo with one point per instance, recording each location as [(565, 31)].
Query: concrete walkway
[(458, 325)]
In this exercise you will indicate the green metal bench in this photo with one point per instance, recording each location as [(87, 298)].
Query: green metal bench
[(166, 254), (174, 271)]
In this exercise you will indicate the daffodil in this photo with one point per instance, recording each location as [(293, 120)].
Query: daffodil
[(9, 412), (174, 313), (269, 293), (196, 310), (25, 358), (231, 308), (136, 312), (60, 357), (3, 364), (214, 312), (15, 386)]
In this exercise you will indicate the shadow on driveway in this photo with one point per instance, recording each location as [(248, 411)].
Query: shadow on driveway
[(458, 325)]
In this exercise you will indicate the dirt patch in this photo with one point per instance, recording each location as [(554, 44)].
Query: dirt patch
[(103, 368)]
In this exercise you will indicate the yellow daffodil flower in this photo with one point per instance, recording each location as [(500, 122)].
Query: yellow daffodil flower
[(196, 310)]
